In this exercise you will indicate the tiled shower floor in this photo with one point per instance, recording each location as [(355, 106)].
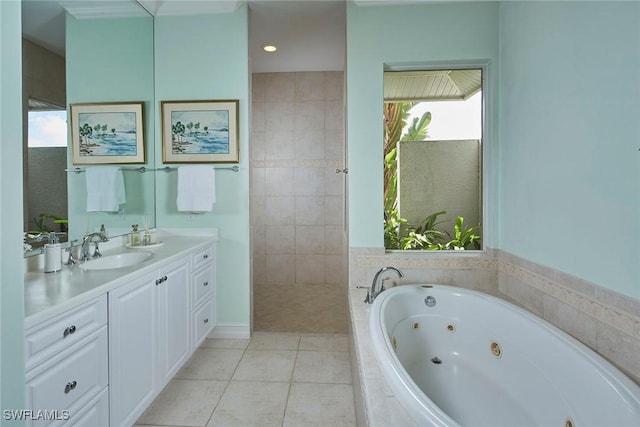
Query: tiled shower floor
[(300, 308), (273, 379)]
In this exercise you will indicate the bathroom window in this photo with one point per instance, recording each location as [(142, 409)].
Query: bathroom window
[(433, 159)]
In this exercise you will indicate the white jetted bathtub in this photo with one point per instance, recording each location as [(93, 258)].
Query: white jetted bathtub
[(455, 357)]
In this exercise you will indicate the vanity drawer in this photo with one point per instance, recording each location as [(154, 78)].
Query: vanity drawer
[(70, 379), (202, 258), (202, 285), (93, 414), (204, 319), (61, 332)]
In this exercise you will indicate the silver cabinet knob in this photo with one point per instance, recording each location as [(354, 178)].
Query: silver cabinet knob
[(69, 330), (70, 386)]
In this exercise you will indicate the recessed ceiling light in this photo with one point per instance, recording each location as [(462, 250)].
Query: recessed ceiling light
[(269, 48)]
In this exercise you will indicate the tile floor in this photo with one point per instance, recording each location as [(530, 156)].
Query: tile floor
[(273, 379), (300, 308)]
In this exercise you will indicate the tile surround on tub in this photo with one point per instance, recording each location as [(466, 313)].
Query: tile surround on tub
[(477, 271), (586, 311), (605, 321)]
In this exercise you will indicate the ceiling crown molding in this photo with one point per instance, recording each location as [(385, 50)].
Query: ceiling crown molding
[(189, 7), (404, 2), (103, 9), (385, 2)]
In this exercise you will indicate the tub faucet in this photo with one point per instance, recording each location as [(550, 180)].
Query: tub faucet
[(375, 290), (84, 251)]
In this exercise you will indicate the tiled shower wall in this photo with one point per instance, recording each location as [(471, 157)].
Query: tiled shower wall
[(297, 220)]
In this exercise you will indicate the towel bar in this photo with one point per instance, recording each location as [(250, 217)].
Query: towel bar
[(142, 169)]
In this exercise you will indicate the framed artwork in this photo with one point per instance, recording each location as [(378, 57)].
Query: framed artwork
[(107, 133), (200, 131)]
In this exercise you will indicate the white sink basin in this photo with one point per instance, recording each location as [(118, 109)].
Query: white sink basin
[(115, 261)]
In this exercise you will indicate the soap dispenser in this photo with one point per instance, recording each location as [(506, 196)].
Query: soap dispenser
[(135, 235), (52, 254)]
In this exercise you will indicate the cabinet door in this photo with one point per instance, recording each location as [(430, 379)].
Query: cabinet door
[(173, 311), (132, 357)]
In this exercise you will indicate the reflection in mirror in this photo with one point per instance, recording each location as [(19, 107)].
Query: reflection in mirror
[(94, 60), (110, 60), (46, 160), (44, 124), (433, 159)]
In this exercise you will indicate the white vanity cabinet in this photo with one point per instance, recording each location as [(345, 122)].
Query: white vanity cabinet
[(102, 361), (148, 337), (202, 295), (67, 367), (173, 302), (133, 333)]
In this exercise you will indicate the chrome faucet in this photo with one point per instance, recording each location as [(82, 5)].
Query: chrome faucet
[(375, 290), (71, 260), (84, 251)]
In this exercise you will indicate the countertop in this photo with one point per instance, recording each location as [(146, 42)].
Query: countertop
[(49, 294)]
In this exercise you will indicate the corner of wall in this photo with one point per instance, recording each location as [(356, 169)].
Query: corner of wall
[(12, 389)]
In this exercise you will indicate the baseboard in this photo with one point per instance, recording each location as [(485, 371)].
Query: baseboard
[(231, 330)]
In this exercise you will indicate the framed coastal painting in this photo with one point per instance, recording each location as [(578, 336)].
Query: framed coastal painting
[(200, 131), (107, 133)]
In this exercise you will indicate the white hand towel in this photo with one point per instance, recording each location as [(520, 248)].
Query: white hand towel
[(196, 188), (105, 188)]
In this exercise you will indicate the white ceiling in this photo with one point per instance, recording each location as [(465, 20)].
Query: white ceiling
[(310, 34), (43, 23)]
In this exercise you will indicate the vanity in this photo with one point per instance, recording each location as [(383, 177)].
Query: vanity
[(101, 344)]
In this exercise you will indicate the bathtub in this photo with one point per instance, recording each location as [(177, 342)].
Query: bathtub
[(455, 357)]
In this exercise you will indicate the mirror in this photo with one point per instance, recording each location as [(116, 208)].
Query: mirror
[(433, 159), (46, 160), (87, 54)]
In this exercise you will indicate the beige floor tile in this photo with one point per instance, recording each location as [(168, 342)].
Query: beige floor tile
[(184, 403), (274, 341), (259, 404), (324, 342), (225, 343), (322, 367), (300, 308), (211, 364), (279, 379), (320, 405), (265, 365)]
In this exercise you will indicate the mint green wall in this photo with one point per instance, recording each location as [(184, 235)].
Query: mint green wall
[(11, 278), (111, 60), (206, 57), (569, 132), (414, 35)]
